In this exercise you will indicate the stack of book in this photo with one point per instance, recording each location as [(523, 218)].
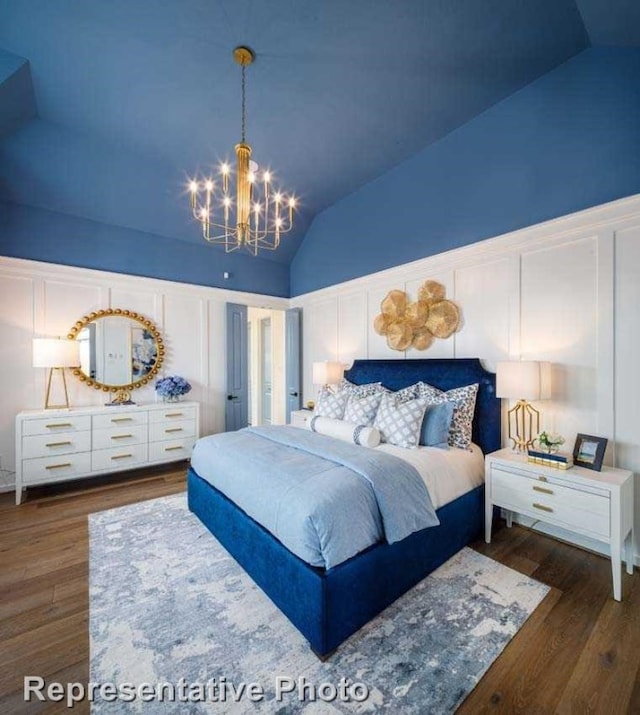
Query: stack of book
[(559, 460)]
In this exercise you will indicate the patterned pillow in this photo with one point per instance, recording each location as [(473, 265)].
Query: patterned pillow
[(362, 410), (464, 399), (371, 388), (407, 393), (399, 423), (331, 404)]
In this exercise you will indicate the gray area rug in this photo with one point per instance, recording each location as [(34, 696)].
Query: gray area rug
[(167, 603)]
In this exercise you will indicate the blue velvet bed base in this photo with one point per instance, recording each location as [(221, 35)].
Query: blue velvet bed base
[(327, 606)]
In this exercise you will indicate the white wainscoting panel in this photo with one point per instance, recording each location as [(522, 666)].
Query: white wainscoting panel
[(352, 327), (559, 314), (483, 294)]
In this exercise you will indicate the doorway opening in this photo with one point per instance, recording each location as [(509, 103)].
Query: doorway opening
[(266, 366)]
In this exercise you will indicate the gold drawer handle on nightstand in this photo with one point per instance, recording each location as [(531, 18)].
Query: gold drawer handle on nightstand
[(57, 444), (542, 489), (171, 449), (58, 466), (121, 456), (174, 429), (59, 424), (122, 419), (121, 436), (542, 507), (174, 414)]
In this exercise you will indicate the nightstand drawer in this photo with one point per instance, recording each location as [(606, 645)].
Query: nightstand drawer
[(300, 418), (573, 509)]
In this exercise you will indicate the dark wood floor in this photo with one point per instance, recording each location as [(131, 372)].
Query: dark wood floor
[(579, 652)]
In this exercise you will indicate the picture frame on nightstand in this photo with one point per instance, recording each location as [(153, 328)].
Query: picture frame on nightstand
[(588, 451)]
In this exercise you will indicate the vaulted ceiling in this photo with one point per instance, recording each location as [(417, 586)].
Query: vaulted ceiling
[(107, 107)]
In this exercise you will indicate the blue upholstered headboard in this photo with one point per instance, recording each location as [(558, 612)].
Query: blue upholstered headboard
[(444, 374)]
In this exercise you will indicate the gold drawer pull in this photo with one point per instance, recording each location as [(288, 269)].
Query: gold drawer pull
[(58, 466), (542, 489), (122, 419), (59, 424), (542, 507), (171, 449), (57, 444), (174, 429), (542, 478), (121, 456), (121, 436), (174, 414)]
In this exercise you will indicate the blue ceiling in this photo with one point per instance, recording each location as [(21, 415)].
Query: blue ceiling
[(107, 107)]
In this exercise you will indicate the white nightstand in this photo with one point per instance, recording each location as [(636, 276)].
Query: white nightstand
[(299, 418), (595, 504)]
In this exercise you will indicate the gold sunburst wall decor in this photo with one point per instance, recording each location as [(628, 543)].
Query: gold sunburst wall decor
[(415, 324)]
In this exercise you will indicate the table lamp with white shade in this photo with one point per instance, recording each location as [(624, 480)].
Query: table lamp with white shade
[(327, 373), (55, 354), (523, 380)]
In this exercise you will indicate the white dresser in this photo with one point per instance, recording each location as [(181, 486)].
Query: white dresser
[(59, 445), (594, 504)]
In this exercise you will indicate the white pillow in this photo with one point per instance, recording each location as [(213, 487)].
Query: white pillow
[(400, 422), (345, 431)]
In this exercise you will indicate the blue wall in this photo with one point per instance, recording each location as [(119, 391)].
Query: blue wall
[(568, 141), (27, 232)]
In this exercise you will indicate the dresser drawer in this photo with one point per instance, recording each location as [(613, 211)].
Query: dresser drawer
[(119, 457), (117, 436), (125, 418), (57, 425), (171, 429), (167, 414), (44, 445), (55, 468), (570, 507), (170, 450)]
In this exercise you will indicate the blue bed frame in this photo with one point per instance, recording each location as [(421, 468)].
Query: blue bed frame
[(327, 606)]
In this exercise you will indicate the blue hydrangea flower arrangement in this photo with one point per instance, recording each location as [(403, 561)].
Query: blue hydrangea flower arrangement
[(171, 388)]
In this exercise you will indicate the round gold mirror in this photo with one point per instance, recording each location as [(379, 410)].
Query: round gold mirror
[(120, 350)]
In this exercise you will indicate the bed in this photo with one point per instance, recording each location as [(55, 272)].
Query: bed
[(327, 605)]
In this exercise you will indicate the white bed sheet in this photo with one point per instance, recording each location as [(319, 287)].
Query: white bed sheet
[(448, 473)]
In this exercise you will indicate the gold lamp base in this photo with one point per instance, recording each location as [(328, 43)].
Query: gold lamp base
[(523, 425), (48, 406)]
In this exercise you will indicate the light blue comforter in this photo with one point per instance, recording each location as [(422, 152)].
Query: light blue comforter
[(325, 500)]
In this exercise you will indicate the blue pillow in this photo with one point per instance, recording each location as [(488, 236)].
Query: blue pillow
[(436, 424)]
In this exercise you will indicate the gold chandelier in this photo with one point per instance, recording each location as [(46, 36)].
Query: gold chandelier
[(260, 216)]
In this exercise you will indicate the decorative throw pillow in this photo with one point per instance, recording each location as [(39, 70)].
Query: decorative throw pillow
[(362, 410), (436, 425), (399, 423), (371, 388), (407, 393), (345, 431), (331, 404), (464, 399)]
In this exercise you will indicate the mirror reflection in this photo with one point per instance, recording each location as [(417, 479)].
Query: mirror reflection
[(118, 349)]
